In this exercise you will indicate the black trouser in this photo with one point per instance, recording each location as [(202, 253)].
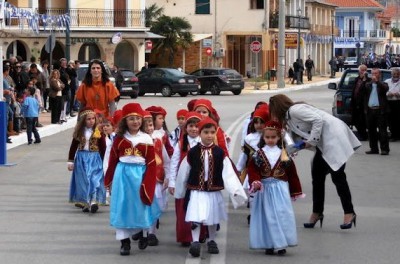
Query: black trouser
[(319, 171), (394, 121), (360, 122), (56, 105), (31, 128), (45, 96), (309, 74), (377, 120)]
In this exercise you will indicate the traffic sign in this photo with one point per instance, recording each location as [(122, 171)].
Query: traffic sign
[(208, 51), (255, 46)]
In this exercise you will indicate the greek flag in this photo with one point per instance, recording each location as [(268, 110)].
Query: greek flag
[(388, 62)]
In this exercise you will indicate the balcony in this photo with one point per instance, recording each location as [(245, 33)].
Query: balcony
[(365, 35), (90, 19), (323, 30)]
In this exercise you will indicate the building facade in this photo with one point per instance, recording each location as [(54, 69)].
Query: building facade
[(111, 30)]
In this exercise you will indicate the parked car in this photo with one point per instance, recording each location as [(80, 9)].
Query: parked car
[(350, 62), (341, 107), (216, 80), (84, 68), (167, 81), (130, 84)]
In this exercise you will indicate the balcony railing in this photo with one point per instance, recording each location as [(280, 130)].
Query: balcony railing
[(366, 34), (324, 30), (92, 18)]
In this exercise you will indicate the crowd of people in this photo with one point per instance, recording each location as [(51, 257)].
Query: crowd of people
[(54, 92)]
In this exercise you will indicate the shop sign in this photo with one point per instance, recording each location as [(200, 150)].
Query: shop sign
[(84, 40)]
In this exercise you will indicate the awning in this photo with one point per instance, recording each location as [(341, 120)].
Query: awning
[(151, 35), (197, 37)]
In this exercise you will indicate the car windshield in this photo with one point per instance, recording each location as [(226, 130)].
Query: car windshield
[(229, 71), (175, 72), (127, 74), (351, 58)]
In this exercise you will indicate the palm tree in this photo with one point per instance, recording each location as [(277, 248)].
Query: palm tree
[(152, 13), (176, 31)]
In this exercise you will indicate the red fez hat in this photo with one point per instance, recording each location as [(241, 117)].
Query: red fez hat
[(132, 109), (262, 112), (157, 110), (259, 104), (190, 104), (192, 114), (181, 113), (147, 114), (205, 103), (273, 125), (206, 121), (85, 111), (117, 116)]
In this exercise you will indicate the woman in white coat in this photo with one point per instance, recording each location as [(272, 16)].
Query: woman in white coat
[(334, 143)]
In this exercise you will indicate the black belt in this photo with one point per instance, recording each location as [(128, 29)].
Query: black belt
[(374, 108)]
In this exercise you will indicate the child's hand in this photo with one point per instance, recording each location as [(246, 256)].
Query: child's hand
[(71, 167), (171, 190), (165, 184), (255, 186)]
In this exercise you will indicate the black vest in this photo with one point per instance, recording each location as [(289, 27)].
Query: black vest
[(196, 181)]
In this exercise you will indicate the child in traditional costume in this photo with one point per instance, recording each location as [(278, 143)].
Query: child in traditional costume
[(162, 166), (176, 133), (132, 176), (85, 160), (205, 171), (273, 179), (109, 134), (190, 138)]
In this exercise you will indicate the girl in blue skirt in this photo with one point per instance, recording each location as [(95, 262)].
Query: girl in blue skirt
[(274, 180), (85, 161)]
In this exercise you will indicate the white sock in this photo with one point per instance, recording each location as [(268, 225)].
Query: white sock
[(196, 233), (152, 229), (212, 232)]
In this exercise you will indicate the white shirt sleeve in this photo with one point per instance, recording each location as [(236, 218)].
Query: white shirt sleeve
[(173, 166)]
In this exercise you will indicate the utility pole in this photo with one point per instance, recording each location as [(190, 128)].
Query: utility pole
[(67, 36), (281, 45), (298, 77), (333, 38)]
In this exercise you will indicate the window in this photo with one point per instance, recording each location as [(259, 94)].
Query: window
[(203, 6), (256, 4)]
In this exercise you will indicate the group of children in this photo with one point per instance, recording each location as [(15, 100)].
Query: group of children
[(138, 162)]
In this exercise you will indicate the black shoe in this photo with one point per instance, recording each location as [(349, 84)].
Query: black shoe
[(137, 236), (39, 125), (37, 141), (30, 142), (384, 152), (269, 251), (194, 249), (281, 252), (9, 141), (93, 208), (152, 240), (319, 218), (372, 152), (143, 243), (79, 205), (125, 247), (350, 224), (185, 244), (248, 219), (85, 209), (212, 247)]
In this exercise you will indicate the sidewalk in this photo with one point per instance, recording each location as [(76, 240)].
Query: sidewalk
[(48, 129), (262, 87)]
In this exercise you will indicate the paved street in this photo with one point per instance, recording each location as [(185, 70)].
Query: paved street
[(37, 225)]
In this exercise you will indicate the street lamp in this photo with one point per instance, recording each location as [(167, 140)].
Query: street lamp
[(298, 48)]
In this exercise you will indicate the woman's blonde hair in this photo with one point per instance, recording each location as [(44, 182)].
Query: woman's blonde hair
[(53, 73)]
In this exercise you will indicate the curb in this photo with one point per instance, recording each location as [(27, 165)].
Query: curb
[(45, 131)]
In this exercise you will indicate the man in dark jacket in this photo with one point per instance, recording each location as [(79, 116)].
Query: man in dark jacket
[(309, 67), (358, 118), (376, 110)]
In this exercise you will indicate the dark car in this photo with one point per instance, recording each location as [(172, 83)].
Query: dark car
[(130, 84), (83, 68), (216, 80), (342, 99), (167, 81)]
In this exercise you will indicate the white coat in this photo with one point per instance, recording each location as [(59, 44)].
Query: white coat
[(329, 134)]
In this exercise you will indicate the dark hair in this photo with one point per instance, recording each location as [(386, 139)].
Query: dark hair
[(278, 106), (32, 90), (255, 120), (164, 123), (88, 80), (6, 68), (209, 125)]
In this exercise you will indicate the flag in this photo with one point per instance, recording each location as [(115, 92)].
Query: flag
[(388, 61)]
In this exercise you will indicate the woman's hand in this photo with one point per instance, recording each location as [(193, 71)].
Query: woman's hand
[(71, 167), (171, 190)]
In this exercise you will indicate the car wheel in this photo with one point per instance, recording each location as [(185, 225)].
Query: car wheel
[(202, 92), (134, 95), (166, 91), (236, 92), (215, 89), (141, 93), (183, 94)]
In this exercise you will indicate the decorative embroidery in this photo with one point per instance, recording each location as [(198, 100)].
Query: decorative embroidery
[(128, 152)]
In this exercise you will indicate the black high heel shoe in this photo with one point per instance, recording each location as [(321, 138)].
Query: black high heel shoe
[(319, 218), (349, 224)]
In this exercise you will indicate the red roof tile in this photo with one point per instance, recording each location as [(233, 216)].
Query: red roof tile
[(355, 3)]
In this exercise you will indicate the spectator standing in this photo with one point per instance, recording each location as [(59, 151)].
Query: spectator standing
[(73, 86), (376, 110), (31, 113), (309, 67), (358, 118), (20, 77), (66, 92), (96, 90), (393, 96), (55, 96), (333, 63), (145, 67), (118, 77), (300, 72), (46, 84)]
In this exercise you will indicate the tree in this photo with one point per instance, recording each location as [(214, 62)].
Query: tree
[(176, 32), (152, 13)]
